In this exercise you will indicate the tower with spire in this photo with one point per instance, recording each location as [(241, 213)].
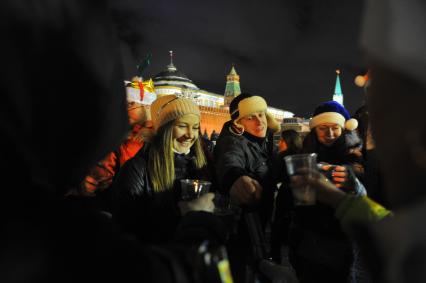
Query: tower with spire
[(232, 88), (172, 81), (171, 67), (338, 95)]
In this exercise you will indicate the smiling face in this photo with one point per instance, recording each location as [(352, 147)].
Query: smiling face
[(328, 133), (185, 132), (255, 124)]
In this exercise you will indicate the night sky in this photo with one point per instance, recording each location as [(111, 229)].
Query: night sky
[(284, 50)]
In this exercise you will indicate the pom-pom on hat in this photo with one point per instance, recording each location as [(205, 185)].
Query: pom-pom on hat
[(246, 104), (333, 112), (170, 107), (363, 80)]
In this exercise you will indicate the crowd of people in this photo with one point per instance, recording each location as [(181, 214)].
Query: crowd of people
[(92, 189)]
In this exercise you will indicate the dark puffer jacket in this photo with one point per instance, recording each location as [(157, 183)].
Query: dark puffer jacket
[(152, 216), (319, 249), (246, 155)]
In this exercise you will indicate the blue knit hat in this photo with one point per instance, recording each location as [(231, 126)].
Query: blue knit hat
[(333, 112)]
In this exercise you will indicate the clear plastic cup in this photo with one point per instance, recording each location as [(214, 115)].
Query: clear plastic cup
[(192, 189), (302, 164)]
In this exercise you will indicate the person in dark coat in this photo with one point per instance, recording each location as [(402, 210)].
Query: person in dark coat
[(373, 178), (244, 156), (393, 244), (319, 250), (147, 190), (290, 143), (63, 108), (333, 138), (245, 148)]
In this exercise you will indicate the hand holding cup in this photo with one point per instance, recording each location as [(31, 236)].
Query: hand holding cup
[(326, 191), (302, 165), (336, 173), (203, 203)]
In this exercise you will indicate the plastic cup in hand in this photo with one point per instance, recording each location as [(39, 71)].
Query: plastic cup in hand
[(302, 164), (192, 189)]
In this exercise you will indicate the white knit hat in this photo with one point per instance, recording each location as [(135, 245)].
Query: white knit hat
[(170, 107)]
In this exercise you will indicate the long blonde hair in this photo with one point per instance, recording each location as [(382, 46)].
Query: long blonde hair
[(161, 166)]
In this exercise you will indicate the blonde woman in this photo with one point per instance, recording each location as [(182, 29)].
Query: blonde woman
[(147, 191)]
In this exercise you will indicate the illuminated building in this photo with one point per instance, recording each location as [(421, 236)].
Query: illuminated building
[(214, 107), (298, 124)]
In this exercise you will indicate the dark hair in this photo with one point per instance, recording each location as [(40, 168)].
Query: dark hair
[(233, 107), (362, 116), (293, 141)]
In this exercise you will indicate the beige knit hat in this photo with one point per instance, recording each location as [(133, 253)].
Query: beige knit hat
[(170, 107), (246, 104)]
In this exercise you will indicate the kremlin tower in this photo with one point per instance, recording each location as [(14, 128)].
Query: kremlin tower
[(232, 88), (338, 95)]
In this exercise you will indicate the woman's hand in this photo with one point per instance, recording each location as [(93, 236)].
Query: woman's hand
[(339, 174), (327, 192), (203, 203)]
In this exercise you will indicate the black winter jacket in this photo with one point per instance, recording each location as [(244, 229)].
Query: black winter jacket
[(316, 240), (246, 155), (152, 216)]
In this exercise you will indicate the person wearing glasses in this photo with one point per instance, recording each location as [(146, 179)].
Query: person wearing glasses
[(392, 243), (318, 248)]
